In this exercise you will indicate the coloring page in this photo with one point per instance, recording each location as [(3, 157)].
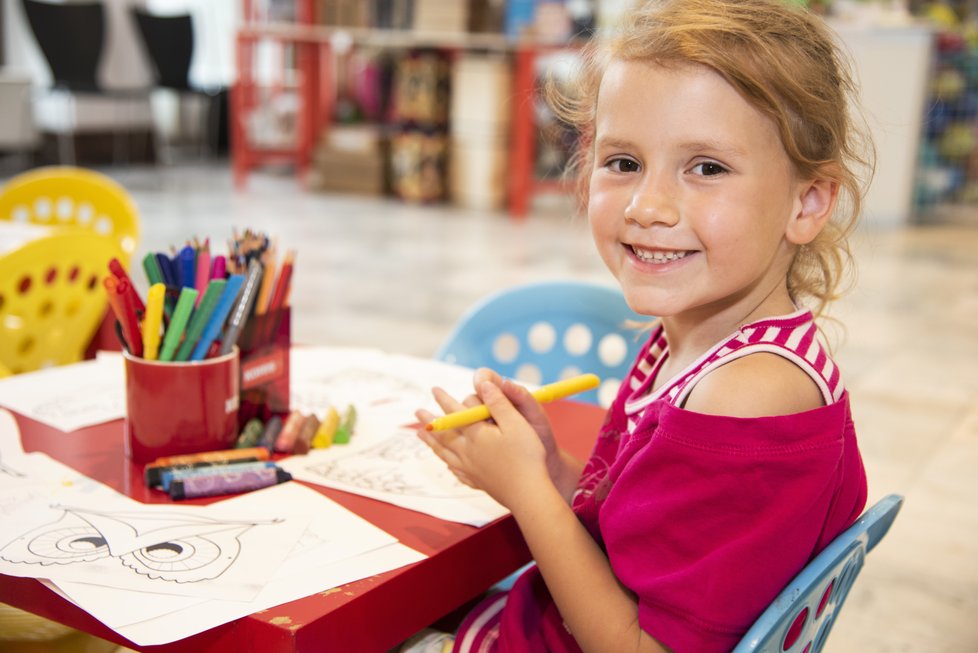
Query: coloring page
[(398, 469)]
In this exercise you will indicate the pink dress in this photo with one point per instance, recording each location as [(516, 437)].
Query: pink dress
[(704, 518)]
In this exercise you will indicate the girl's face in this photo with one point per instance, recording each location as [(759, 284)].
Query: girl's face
[(690, 194)]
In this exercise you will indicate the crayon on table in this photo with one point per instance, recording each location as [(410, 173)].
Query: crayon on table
[(218, 316), (209, 486), (178, 323), (306, 433), (272, 428), (327, 429), (547, 393), (153, 321), (168, 477), (200, 318), (345, 430), (285, 439), (210, 456), (153, 474), (250, 434)]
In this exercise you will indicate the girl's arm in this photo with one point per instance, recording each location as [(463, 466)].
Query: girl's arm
[(601, 614), (511, 462)]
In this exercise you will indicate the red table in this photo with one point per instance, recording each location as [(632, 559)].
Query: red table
[(372, 614)]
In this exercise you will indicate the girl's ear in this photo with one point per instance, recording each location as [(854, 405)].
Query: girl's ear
[(816, 203)]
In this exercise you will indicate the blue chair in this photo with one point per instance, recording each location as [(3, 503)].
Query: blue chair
[(545, 331), (802, 615)]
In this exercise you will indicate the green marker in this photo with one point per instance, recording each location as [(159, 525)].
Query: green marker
[(178, 323), (152, 268), (200, 318)]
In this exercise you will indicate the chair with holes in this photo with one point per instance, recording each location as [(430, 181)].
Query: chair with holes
[(65, 196), (51, 297), (801, 616), (545, 331)]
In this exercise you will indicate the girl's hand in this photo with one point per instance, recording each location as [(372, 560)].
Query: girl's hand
[(506, 456)]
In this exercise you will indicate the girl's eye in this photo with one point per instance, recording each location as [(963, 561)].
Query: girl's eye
[(623, 165), (708, 169)]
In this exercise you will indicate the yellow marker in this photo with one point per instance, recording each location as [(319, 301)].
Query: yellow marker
[(547, 393), (152, 321)]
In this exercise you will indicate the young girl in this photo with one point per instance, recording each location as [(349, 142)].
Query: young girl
[(718, 144)]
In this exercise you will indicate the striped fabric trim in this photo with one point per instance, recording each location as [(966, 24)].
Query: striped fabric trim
[(794, 337), (481, 627)]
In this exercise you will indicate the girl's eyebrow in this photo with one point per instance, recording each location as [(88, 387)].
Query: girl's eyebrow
[(613, 142), (718, 147), (692, 146)]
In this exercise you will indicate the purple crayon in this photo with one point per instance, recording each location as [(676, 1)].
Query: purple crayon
[(227, 483)]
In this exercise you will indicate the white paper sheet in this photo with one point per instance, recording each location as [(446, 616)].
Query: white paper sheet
[(398, 469), (386, 389), (206, 551), (384, 460), (69, 397), (335, 535), (171, 625)]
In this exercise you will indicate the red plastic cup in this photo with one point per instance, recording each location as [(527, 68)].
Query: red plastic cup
[(177, 408)]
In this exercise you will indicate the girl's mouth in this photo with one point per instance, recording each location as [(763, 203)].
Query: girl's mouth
[(657, 256)]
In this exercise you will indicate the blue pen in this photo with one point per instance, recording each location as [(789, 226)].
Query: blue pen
[(166, 268), (213, 328), (187, 260)]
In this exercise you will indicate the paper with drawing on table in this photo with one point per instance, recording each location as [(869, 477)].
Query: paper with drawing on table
[(204, 551), (172, 623), (69, 397), (385, 460), (338, 548), (27, 477)]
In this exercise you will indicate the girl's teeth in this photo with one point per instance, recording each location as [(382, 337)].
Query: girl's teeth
[(657, 256)]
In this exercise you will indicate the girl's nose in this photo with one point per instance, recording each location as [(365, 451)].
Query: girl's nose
[(650, 204)]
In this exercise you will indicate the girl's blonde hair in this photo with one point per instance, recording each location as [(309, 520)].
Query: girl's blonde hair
[(784, 61)]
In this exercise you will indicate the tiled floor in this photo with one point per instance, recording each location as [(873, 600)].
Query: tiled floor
[(381, 273)]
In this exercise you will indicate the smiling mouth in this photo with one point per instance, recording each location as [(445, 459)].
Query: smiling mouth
[(657, 255)]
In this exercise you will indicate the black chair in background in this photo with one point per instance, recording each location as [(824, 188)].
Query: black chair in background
[(71, 37), (169, 44)]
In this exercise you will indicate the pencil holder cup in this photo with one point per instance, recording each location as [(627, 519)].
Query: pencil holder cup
[(181, 407), (265, 344)]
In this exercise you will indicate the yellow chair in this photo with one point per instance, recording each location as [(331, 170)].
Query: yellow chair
[(66, 196), (51, 297)]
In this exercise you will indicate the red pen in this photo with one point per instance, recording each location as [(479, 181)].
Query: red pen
[(130, 321), (115, 302), (218, 267), (115, 267), (281, 291), (203, 269)]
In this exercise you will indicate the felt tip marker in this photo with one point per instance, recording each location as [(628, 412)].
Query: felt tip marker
[(544, 394)]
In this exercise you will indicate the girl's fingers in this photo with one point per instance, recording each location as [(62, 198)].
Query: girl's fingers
[(441, 450), (500, 407)]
